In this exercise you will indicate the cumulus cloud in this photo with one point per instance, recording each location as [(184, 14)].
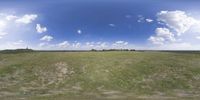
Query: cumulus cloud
[(179, 21), (64, 44), (47, 38), (40, 29), (9, 22), (157, 40), (162, 35), (10, 30), (178, 31), (26, 19)]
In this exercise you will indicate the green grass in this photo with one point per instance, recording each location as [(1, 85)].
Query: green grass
[(100, 76)]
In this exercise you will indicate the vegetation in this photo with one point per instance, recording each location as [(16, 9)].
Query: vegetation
[(112, 75), (114, 50), (17, 51)]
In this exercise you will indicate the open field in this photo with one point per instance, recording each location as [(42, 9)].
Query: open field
[(100, 76)]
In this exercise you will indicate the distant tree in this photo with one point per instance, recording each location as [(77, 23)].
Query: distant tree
[(132, 50), (93, 50)]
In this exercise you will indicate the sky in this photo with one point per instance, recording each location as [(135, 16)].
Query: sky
[(100, 24)]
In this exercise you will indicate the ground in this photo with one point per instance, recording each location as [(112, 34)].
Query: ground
[(118, 75)]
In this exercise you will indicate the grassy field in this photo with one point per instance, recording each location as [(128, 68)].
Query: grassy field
[(100, 76)]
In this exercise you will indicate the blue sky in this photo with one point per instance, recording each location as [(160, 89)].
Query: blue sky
[(100, 24)]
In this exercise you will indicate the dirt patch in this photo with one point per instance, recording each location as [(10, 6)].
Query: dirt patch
[(63, 71), (55, 74), (5, 93)]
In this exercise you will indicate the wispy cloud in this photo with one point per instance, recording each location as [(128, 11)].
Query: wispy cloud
[(112, 25), (149, 20), (120, 44), (140, 18), (46, 38)]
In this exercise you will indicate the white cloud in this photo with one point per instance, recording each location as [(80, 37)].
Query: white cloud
[(19, 42), (176, 46), (2, 33), (164, 32), (2, 28), (112, 25), (26, 19), (11, 17), (46, 38), (90, 44), (40, 29), (120, 44), (179, 21), (43, 44), (9, 23), (64, 44), (79, 31), (162, 35), (179, 31), (198, 37), (103, 45), (96, 45), (46, 45), (149, 20), (157, 40), (13, 45), (140, 18), (76, 45)]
